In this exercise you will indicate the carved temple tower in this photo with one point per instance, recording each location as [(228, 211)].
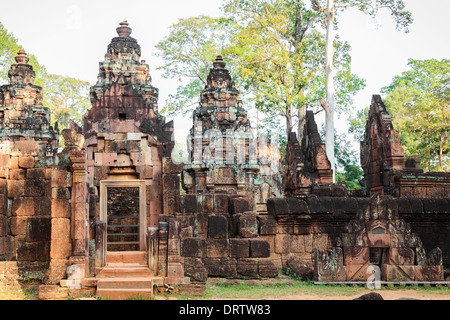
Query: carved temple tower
[(223, 149)]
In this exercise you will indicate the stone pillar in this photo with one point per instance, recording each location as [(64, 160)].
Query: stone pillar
[(153, 250), (80, 211)]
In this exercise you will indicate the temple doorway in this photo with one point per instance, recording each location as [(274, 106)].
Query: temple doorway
[(123, 208)]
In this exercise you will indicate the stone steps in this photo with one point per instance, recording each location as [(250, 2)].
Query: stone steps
[(124, 288), (136, 257), (129, 270), (126, 275)]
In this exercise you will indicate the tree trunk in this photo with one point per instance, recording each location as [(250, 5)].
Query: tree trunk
[(330, 90), (301, 123), (288, 121)]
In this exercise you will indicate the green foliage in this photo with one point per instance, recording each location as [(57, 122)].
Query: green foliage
[(9, 47), (357, 124), (419, 103), (67, 98), (274, 53), (397, 8), (348, 169), (187, 52)]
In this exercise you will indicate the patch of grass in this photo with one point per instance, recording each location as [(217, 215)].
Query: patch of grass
[(293, 287)]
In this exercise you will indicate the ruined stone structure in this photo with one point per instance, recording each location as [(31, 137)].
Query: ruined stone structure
[(307, 165), (111, 212), (225, 155), (378, 245), (29, 169), (387, 170)]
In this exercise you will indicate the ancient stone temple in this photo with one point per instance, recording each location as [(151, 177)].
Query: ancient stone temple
[(307, 166), (378, 245), (225, 154), (29, 166), (112, 214)]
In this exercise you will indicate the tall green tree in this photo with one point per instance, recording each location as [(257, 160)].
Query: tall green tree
[(187, 52), (279, 54), (329, 10), (419, 103), (67, 98)]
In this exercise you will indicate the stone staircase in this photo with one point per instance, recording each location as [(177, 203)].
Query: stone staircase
[(126, 275)]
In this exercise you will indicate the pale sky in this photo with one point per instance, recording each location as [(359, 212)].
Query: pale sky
[(71, 37)]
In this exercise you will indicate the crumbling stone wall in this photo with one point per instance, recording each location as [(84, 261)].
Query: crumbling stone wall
[(307, 164), (378, 244), (221, 237), (387, 170), (34, 182)]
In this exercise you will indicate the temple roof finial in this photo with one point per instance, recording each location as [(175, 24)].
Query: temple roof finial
[(124, 30), (22, 57)]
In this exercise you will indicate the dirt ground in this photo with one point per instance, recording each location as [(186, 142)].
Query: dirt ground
[(386, 294)]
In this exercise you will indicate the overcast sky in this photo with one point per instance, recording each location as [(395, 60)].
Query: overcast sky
[(71, 37)]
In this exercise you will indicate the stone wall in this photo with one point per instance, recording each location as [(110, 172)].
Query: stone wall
[(220, 237)]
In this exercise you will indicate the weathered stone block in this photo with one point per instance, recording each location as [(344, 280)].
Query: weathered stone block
[(238, 205), (400, 256), (298, 268), (193, 247), (259, 248), (428, 273), (239, 248), (267, 269), (60, 208), (267, 225), (195, 269), (277, 207), (52, 292), (217, 227), (17, 174), (25, 148), (26, 162), (38, 229), (397, 273), (5, 161), (16, 188), (247, 225), (329, 266), (3, 205), (282, 243), (217, 248), (33, 251), (356, 256), (297, 244), (314, 204), (221, 203), (61, 178), (297, 206), (36, 188), (61, 193), (24, 206), (248, 268), (359, 272), (56, 272), (61, 247), (220, 267), (175, 270), (36, 173), (19, 226), (188, 203)]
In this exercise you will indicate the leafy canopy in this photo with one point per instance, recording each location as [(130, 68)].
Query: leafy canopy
[(419, 103)]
